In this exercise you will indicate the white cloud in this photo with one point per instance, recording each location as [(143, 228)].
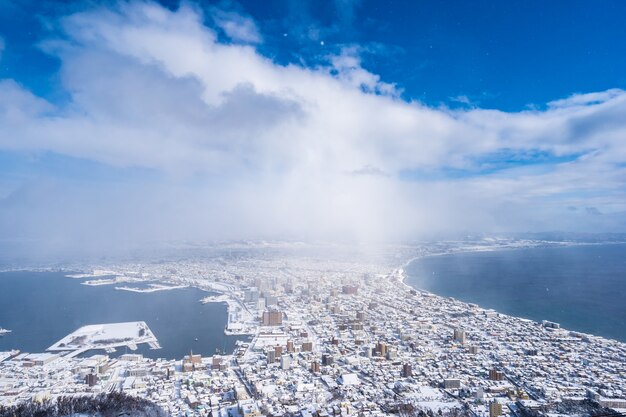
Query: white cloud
[(235, 25), (250, 147), (586, 99)]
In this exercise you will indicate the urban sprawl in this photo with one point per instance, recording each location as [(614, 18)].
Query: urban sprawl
[(327, 336)]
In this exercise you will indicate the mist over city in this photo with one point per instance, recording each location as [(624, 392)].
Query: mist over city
[(172, 123)]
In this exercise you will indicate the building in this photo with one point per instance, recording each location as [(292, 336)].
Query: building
[(307, 346), (496, 375), (460, 335), (278, 350), (612, 403), (271, 300), (285, 362), (91, 379), (452, 383), (357, 326), (407, 372), (368, 351), (272, 318), (194, 359), (349, 379), (495, 409), (249, 409), (550, 324), (350, 289), (251, 296), (192, 362), (315, 367), (192, 401)]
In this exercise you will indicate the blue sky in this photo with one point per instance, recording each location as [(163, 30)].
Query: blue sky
[(363, 119), (503, 55)]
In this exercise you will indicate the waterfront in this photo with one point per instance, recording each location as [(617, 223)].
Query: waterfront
[(43, 307), (346, 331), (581, 287)]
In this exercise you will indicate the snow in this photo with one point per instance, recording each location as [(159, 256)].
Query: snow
[(102, 336)]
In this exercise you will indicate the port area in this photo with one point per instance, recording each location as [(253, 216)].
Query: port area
[(106, 337), (241, 321), (151, 288)]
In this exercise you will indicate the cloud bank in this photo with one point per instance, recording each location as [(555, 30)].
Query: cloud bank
[(208, 139)]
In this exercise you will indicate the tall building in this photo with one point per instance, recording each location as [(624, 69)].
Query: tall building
[(496, 375), (272, 318), (460, 335), (407, 372), (285, 362), (251, 296), (91, 379), (495, 409), (278, 350), (315, 367)]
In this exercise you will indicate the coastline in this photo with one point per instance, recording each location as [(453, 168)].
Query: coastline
[(400, 273), (239, 320)]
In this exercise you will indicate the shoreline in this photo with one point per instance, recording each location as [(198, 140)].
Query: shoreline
[(242, 327), (400, 272), (235, 325)]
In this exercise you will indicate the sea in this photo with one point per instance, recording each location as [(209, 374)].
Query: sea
[(582, 287), (43, 307)]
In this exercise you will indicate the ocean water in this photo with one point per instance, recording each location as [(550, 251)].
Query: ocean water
[(42, 307), (581, 287)]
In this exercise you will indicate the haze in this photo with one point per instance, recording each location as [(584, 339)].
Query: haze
[(173, 123)]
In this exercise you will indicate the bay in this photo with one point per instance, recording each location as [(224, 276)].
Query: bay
[(43, 307), (581, 287)]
